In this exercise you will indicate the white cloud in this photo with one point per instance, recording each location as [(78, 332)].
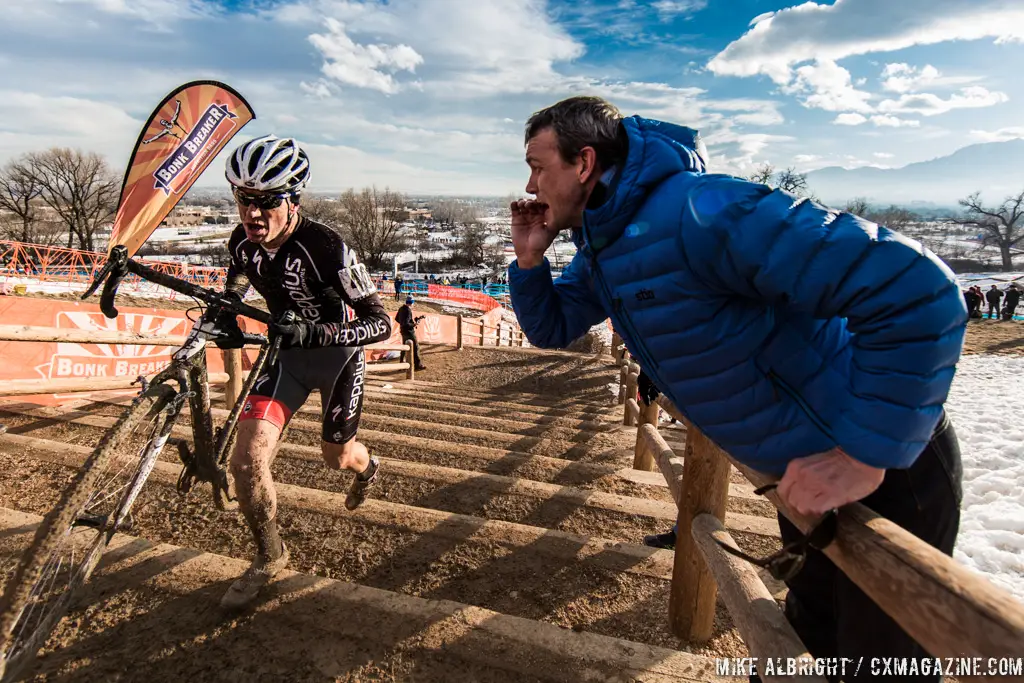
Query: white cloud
[(885, 121), (883, 155), (903, 78), (319, 89), (157, 13), (362, 65), (805, 158), (878, 120), (671, 8), (850, 119), (927, 104), (1001, 135), (826, 85), (812, 31)]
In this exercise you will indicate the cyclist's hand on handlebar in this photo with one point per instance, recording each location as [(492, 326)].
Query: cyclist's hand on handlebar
[(294, 330), (226, 322)]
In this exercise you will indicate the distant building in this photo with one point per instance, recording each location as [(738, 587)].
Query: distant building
[(185, 217)]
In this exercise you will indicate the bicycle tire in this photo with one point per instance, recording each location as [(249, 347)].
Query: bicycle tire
[(16, 653)]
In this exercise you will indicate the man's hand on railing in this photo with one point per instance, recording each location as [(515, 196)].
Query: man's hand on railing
[(819, 483)]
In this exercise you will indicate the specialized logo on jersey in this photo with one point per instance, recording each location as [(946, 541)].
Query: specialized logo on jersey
[(260, 382), (295, 285), (356, 282)]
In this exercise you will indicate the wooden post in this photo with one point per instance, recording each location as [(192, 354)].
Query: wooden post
[(501, 328), (458, 331), (410, 374), (627, 413), (616, 343), (643, 459), (691, 609), (483, 331), (233, 366)]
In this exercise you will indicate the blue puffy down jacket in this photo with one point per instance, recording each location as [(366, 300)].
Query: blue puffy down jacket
[(780, 328)]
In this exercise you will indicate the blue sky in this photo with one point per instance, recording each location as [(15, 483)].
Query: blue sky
[(430, 96)]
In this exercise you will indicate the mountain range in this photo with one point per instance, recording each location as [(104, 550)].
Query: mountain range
[(996, 169)]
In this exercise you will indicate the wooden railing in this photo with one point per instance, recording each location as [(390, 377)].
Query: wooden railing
[(949, 609), (233, 377), (505, 334)]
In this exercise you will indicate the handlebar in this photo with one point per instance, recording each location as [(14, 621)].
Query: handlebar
[(118, 265)]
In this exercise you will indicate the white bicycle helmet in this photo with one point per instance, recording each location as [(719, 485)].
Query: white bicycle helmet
[(269, 164)]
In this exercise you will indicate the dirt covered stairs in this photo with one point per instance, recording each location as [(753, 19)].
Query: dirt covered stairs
[(503, 543)]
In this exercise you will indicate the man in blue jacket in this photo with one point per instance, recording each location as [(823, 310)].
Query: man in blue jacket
[(808, 343)]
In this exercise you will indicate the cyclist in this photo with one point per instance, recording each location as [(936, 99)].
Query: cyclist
[(303, 267)]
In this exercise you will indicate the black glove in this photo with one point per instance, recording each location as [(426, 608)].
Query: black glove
[(294, 330), (226, 322), (648, 392)]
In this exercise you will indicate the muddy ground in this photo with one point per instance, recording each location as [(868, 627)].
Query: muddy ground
[(507, 576)]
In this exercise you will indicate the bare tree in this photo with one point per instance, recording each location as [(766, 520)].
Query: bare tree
[(450, 213), (371, 223), (763, 175), (475, 248), (895, 218), (791, 181), (80, 189), (858, 206), (19, 194), (1001, 226), (322, 210), (788, 180)]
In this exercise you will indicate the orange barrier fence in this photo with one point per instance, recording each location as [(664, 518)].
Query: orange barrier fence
[(71, 266), (71, 360), (74, 267)]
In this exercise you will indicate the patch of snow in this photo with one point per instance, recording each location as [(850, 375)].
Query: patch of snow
[(985, 406)]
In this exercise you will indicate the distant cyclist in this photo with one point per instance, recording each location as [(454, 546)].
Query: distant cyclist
[(301, 266)]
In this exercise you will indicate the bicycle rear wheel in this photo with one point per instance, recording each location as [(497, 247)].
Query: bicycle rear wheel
[(71, 539)]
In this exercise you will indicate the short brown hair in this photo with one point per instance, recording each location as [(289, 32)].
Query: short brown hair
[(583, 121)]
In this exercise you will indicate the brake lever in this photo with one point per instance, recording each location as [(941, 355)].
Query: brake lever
[(100, 277)]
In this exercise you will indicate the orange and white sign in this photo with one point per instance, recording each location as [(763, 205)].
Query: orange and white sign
[(183, 135)]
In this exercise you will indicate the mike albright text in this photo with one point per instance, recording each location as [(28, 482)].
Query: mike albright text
[(743, 667)]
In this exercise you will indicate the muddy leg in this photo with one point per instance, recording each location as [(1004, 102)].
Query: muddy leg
[(254, 453)]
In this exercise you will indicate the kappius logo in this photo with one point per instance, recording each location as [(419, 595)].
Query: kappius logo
[(74, 359)]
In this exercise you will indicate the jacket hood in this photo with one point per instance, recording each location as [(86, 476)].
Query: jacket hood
[(657, 150)]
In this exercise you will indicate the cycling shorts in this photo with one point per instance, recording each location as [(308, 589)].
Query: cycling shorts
[(338, 372)]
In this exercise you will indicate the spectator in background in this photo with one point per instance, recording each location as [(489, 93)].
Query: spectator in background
[(993, 296), (399, 283), (407, 324), (973, 299), (1012, 299)]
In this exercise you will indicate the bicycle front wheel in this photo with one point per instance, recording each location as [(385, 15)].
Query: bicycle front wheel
[(71, 539)]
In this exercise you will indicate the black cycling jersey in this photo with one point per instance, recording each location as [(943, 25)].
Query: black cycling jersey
[(315, 274)]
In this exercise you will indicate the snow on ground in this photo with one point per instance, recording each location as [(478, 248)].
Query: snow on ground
[(986, 405)]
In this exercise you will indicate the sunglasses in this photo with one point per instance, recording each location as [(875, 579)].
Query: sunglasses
[(787, 563), (264, 202)]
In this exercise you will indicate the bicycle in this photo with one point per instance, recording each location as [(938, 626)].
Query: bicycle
[(71, 539)]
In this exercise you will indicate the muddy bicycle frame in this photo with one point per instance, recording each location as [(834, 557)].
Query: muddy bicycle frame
[(188, 368)]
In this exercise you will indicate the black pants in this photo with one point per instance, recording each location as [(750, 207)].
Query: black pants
[(832, 616), (411, 337), (993, 309), (1009, 312)]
